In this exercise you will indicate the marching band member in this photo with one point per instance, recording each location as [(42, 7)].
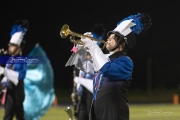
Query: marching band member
[(114, 71), (27, 84), (14, 74)]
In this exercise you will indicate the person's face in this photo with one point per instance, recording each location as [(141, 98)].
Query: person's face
[(13, 50), (88, 56), (111, 43)]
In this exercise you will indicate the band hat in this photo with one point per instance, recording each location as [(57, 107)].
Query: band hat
[(130, 39), (17, 38), (18, 31), (123, 29), (134, 24)]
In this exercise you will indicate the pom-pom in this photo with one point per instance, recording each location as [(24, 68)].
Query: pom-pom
[(142, 21), (21, 25)]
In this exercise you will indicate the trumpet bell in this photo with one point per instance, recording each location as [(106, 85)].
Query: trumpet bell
[(64, 31)]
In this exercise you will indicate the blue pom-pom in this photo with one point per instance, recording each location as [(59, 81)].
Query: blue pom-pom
[(100, 37), (142, 21)]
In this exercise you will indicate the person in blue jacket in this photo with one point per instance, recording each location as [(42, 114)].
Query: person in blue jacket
[(114, 70), (14, 74)]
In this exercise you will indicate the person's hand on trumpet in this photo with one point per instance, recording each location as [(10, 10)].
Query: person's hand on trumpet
[(99, 59), (88, 42)]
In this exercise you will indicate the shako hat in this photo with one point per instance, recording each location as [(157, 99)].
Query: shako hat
[(134, 24), (18, 31)]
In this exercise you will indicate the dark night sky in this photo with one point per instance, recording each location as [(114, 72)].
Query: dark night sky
[(161, 42)]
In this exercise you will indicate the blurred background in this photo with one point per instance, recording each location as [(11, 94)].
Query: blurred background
[(156, 75)]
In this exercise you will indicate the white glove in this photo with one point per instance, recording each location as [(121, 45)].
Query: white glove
[(4, 79), (99, 59), (12, 75), (1, 70), (87, 83), (88, 42), (76, 80)]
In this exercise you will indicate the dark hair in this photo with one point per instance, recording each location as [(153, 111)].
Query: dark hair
[(120, 39)]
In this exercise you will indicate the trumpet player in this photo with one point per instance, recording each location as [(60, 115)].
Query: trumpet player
[(114, 70)]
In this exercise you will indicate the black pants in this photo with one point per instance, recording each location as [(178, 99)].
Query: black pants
[(14, 105), (85, 105), (110, 107)]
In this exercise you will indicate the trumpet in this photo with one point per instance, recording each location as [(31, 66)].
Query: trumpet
[(65, 31)]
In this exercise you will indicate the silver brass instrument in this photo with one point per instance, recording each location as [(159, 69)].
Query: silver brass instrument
[(3, 52), (69, 112), (65, 31), (73, 111)]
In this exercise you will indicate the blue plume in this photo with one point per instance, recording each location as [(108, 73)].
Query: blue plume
[(98, 37), (98, 32), (19, 26), (142, 21)]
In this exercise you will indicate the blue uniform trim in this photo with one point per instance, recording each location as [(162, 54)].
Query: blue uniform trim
[(21, 69), (119, 69)]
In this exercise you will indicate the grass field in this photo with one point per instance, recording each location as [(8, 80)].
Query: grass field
[(137, 112)]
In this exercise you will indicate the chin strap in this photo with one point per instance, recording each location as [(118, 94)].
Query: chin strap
[(114, 48)]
